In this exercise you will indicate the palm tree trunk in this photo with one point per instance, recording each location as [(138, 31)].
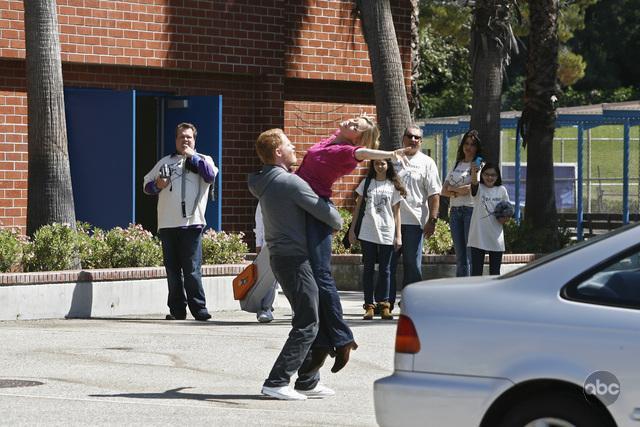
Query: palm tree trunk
[(490, 53), (538, 116), (386, 66), (50, 197)]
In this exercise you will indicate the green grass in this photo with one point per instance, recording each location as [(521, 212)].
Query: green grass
[(606, 159)]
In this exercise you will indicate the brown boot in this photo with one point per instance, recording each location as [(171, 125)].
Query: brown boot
[(368, 311), (318, 356), (385, 311), (342, 356)]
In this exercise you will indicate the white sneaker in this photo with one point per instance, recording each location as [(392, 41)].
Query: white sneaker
[(283, 393), (318, 391), (265, 316)]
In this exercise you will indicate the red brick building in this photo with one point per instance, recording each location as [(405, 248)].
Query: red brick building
[(299, 65)]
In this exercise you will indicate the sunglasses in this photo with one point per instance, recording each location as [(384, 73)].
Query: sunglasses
[(490, 175), (413, 136)]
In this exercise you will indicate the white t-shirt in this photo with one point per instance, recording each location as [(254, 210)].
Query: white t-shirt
[(259, 230), (459, 177), (485, 231), (378, 224), (170, 198), (421, 180)]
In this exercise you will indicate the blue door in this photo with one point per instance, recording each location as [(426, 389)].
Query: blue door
[(205, 112), (101, 139)]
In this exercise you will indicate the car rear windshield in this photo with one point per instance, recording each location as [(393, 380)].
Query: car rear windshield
[(564, 251)]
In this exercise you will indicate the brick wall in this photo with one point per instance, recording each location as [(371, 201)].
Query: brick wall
[(243, 36), (13, 145), (327, 42), (241, 96), (299, 65)]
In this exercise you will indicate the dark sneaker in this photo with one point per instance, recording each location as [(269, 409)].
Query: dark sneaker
[(202, 317), (174, 317)]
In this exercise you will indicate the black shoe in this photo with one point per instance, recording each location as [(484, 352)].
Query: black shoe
[(202, 317), (174, 317)]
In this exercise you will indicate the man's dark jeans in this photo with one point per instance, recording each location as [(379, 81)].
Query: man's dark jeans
[(411, 250), (332, 325), (182, 255), (296, 279)]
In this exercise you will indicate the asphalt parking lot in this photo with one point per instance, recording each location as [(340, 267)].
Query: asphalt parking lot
[(150, 371)]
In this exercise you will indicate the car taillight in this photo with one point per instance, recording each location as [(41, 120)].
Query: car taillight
[(406, 336)]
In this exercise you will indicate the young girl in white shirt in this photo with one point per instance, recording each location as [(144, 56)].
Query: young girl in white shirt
[(379, 233), (486, 234)]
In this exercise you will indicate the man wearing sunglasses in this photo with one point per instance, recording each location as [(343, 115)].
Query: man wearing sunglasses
[(419, 209)]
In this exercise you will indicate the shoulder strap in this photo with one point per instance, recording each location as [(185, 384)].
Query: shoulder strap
[(367, 181)]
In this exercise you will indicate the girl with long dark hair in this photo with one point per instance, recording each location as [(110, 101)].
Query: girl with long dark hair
[(379, 233)]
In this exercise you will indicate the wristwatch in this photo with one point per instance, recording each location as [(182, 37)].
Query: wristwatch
[(433, 221)]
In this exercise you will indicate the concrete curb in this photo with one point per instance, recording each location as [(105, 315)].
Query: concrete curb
[(104, 293), (143, 291)]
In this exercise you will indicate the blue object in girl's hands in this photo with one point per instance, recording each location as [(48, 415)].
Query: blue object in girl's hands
[(478, 161)]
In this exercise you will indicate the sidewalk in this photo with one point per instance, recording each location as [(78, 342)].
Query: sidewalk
[(148, 371)]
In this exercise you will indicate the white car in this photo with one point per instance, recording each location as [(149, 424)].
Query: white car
[(555, 343)]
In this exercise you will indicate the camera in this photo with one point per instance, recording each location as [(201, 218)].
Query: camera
[(165, 171)]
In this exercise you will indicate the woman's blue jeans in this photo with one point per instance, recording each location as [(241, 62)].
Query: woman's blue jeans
[(332, 324), (459, 221), (373, 253)]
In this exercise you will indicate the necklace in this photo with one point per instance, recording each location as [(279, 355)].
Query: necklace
[(379, 198)]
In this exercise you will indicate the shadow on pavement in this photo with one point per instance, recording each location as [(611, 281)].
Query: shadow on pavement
[(177, 393), (285, 320)]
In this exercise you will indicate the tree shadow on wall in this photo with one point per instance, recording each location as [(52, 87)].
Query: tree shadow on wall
[(81, 301)]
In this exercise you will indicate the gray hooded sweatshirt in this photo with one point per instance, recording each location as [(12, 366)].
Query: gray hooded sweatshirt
[(285, 198)]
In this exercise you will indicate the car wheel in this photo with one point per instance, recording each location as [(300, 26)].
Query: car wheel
[(554, 410)]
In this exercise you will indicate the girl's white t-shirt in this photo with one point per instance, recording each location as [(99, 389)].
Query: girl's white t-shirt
[(458, 177), (485, 232), (378, 225)]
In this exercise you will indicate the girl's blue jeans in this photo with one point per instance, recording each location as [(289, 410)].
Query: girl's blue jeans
[(459, 222), (373, 253)]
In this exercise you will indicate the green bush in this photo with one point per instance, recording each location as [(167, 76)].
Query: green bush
[(53, 247), (441, 242), (60, 247), (524, 238), (219, 247), (131, 247), (336, 244), (92, 246), (11, 247)]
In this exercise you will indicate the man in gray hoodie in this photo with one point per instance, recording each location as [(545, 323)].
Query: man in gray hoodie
[(284, 199)]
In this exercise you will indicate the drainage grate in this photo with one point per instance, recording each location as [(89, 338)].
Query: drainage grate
[(18, 383)]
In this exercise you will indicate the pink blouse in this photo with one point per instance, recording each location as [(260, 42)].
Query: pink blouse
[(325, 163)]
